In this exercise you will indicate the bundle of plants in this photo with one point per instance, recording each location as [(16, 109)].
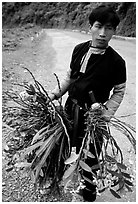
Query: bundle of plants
[(44, 127), (109, 172)]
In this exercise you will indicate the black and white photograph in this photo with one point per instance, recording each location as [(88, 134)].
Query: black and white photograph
[(68, 101)]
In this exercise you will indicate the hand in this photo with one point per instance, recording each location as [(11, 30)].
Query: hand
[(106, 118), (25, 96), (95, 106)]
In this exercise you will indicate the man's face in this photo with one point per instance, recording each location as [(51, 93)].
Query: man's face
[(101, 34)]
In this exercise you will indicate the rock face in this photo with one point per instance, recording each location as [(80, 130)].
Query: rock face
[(65, 15)]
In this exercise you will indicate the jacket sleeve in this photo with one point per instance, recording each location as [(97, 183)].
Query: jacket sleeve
[(64, 86), (114, 101)]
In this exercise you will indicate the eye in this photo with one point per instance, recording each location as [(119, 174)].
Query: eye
[(98, 25), (109, 27)]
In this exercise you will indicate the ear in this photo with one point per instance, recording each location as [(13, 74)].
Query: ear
[(90, 26), (114, 32)]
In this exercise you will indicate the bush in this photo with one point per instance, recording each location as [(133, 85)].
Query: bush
[(65, 14)]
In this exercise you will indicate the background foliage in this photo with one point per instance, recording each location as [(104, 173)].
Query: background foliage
[(69, 15)]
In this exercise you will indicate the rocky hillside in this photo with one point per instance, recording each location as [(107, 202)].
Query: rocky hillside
[(72, 15)]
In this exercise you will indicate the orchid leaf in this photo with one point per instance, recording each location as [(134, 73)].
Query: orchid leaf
[(96, 166), (43, 147), (128, 182), (69, 171), (119, 175), (121, 185), (67, 180), (109, 158), (121, 166), (115, 194), (85, 166), (128, 188), (38, 134), (32, 175), (73, 157), (32, 88), (41, 173), (88, 153), (87, 179), (126, 175), (32, 147)]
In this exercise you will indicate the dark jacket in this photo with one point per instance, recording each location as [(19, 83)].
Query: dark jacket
[(103, 72)]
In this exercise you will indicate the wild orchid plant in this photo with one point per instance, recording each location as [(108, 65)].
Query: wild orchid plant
[(44, 148)]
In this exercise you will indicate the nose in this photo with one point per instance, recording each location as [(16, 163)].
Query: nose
[(102, 32)]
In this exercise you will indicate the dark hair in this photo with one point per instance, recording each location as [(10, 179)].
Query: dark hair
[(104, 14)]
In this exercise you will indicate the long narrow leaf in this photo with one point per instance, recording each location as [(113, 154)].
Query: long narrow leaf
[(126, 175), (121, 166), (73, 157), (128, 188), (47, 152), (88, 153), (126, 132), (121, 185), (85, 166), (119, 175), (128, 182), (110, 159), (32, 147), (69, 171), (115, 194), (32, 175), (42, 161), (49, 140), (87, 179), (44, 146), (124, 123), (61, 148), (68, 180), (38, 134)]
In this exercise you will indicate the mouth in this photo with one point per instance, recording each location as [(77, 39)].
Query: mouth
[(101, 41)]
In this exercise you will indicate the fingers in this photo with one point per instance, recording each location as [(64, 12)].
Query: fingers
[(24, 95)]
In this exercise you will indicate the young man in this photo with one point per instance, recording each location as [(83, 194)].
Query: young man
[(97, 67)]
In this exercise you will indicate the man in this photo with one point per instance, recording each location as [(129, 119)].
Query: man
[(97, 67)]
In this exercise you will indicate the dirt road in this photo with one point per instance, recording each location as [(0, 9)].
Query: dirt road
[(50, 51)]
